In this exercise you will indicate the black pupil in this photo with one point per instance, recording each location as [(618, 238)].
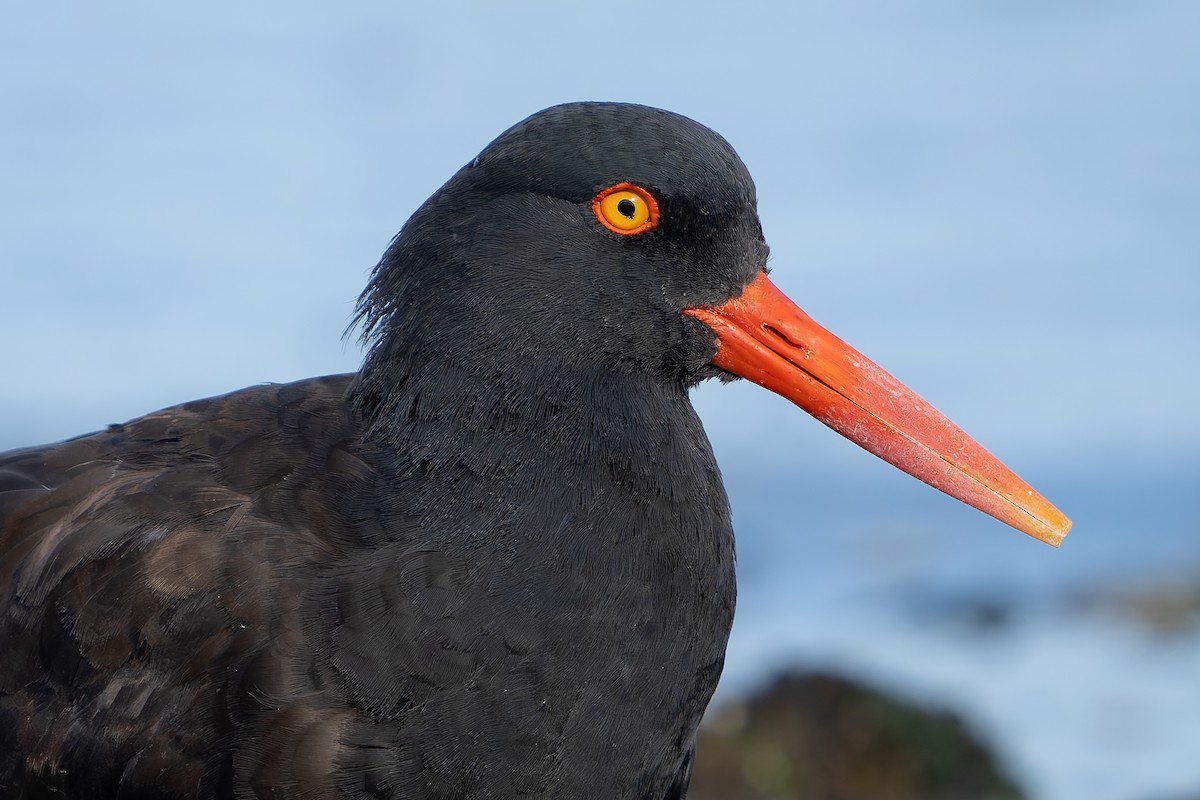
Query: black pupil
[(626, 207)]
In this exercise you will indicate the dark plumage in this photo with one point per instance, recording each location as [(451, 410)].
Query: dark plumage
[(497, 562)]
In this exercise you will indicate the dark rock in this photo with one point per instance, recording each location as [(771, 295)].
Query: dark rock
[(821, 737)]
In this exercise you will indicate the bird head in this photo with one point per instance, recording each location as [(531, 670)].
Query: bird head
[(605, 237)]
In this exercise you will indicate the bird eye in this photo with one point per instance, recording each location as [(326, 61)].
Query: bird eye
[(626, 209)]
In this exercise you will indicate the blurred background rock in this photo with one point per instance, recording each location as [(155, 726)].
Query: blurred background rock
[(823, 737)]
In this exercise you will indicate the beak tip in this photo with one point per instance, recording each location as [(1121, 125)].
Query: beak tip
[(1053, 532)]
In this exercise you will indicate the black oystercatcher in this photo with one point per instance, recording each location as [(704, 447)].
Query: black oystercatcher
[(497, 561)]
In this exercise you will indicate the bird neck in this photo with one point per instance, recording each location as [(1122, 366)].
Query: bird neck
[(520, 451), (493, 420)]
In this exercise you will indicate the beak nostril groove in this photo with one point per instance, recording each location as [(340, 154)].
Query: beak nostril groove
[(780, 334)]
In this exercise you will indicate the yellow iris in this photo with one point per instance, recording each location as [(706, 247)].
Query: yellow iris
[(626, 209)]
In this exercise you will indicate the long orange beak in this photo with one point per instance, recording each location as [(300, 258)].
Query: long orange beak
[(764, 337)]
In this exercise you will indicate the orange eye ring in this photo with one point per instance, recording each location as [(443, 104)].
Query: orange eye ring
[(626, 208)]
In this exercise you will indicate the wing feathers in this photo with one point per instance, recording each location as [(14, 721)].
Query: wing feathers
[(151, 592)]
